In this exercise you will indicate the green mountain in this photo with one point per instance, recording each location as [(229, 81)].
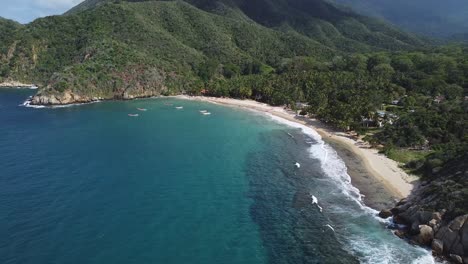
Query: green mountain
[(430, 17), (315, 19), (115, 49)]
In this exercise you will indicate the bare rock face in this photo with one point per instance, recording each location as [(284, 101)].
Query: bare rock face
[(400, 233), (457, 259), (458, 222), (436, 214), (14, 84), (385, 214), (447, 236), (464, 239), (425, 236), (432, 223), (437, 246), (67, 97)]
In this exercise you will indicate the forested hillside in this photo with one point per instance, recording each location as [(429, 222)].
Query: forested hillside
[(100, 47), (356, 73)]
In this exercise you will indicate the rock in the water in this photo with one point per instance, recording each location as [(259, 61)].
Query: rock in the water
[(457, 259), (425, 236), (400, 233), (385, 214), (437, 246)]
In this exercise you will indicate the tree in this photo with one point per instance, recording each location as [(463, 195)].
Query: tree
[(383, 71)]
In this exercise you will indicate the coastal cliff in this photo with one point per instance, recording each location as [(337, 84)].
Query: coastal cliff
[(436, 214), (69, 97)]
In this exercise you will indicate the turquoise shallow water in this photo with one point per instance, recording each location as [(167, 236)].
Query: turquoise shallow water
[(89, 184)]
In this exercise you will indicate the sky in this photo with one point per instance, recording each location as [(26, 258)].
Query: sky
[(25, 11)]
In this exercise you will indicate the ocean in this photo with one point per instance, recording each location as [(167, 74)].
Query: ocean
[(91, 184)]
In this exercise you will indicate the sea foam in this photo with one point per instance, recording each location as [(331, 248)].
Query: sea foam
[(331, 163), (335, 169)]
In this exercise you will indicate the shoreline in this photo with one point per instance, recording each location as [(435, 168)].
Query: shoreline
[(17, 85), (377, 177)]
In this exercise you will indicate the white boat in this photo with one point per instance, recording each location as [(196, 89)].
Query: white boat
[(206, 113), (297, 165), (179, 107), (133, 115), (203, 111)]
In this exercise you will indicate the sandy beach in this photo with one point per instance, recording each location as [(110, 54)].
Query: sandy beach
[(379, 178)]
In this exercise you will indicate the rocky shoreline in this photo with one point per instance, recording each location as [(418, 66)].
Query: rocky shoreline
[(64, 98), (69, 98), (435, 215), (17, 84), (422, 218)]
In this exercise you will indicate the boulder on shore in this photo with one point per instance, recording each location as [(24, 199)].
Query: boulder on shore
[(457, 259), (425, 236), (385, 214), (437, 246)]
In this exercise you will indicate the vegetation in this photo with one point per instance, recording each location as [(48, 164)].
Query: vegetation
[(354, 72), (423, 94)]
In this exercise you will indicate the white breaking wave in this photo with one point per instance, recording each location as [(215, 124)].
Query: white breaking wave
[(33, 87), (335, 168), (315, 201), (330, 162), (331, 227)]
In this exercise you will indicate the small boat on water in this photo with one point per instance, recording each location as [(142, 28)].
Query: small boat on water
[(297, 165), (203, 111), (142, 109), (133, 115), (206, 113), (179, 107)]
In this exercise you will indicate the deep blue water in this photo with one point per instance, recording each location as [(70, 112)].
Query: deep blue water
[(89, 184)]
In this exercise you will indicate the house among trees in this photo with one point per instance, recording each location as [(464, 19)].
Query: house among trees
[(438, 99), (301, 106)]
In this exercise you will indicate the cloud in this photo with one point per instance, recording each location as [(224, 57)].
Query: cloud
[(57, 4)]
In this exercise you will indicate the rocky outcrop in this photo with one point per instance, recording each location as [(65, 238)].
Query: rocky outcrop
[(15, 84), (64, 98), (446, 237), (436, 215), (385, 214), (48, 98)]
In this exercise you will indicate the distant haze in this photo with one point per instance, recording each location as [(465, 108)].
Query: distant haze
[(25, 11), (429, 17)]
